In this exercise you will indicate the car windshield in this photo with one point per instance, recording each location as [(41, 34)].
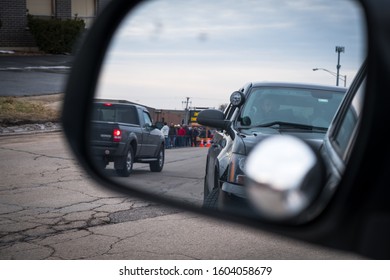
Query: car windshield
[(290, 105)]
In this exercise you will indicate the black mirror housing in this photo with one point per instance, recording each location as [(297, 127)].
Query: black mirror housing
[(213, 118), (356, 191)]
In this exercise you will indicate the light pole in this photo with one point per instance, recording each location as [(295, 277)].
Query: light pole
[(187, 112), (337, 75), (338, 50)]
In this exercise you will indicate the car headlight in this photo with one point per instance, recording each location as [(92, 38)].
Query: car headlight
[(236, 173)]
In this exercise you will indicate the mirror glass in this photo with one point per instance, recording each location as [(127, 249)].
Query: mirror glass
[(176, 58)]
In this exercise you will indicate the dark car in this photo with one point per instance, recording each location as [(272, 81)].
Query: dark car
[(257, 111), (277, 195), (271, 188)]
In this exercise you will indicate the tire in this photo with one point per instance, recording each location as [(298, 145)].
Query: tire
[(211, 201), (157, 166), (205, 188), (235, 205), (125, 164)]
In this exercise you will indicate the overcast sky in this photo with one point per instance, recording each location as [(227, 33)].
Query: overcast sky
[(166, 51)]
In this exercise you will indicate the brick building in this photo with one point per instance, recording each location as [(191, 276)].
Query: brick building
[(167, 115), (14, 33)]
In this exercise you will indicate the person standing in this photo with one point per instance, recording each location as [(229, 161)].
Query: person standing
[(165, 131), (194, 136), (172, 135), (188, 136), (181, 136)]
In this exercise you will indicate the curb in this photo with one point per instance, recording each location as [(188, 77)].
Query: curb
[(30, 129)]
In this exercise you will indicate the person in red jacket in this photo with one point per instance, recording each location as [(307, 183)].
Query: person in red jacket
[(181, 132)]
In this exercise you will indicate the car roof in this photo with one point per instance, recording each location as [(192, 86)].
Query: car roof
[(118, 103), (298, 85)]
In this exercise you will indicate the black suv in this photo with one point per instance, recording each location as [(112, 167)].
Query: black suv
[(255, 112)]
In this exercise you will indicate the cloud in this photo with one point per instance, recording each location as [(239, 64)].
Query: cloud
[(207, 49)]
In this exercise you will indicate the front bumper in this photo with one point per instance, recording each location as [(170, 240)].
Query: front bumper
[(237, 190)]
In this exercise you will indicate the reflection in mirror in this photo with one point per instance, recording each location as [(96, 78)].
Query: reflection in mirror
[(283, 177), (172, 59)]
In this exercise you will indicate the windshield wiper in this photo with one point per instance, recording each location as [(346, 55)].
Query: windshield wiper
[(281, 124)]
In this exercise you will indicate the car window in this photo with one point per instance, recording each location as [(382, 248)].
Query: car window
[(306, 106), (106, 114), (344, 135), (147, 119), (112, 113)]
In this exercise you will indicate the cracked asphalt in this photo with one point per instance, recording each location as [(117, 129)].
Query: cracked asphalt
[(46, 201), (50, 209)]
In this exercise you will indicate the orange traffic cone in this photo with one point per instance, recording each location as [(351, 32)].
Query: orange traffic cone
[(201, 144), (208, 143)]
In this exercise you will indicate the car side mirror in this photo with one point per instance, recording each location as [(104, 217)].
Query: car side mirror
[(213, 118), (284, 177)]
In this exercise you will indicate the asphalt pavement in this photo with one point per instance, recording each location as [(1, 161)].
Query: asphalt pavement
[(51, 209), (33, 74)]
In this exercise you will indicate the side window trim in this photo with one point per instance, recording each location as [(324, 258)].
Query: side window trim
[(344, 112), (147, 118)]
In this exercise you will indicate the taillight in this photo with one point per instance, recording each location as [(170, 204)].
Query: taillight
[(117, 135)]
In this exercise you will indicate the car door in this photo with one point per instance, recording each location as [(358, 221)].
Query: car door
[(219, 142), (151, 137)]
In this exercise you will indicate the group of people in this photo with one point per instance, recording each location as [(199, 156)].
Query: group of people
[(181, 135)]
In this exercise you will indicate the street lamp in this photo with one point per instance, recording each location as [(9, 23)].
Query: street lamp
[(337, 75), (339, 50)]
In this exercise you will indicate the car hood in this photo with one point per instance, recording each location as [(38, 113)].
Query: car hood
[(248, 138)]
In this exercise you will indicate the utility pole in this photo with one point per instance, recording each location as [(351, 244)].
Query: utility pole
[(186, 102), (339, 49)]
